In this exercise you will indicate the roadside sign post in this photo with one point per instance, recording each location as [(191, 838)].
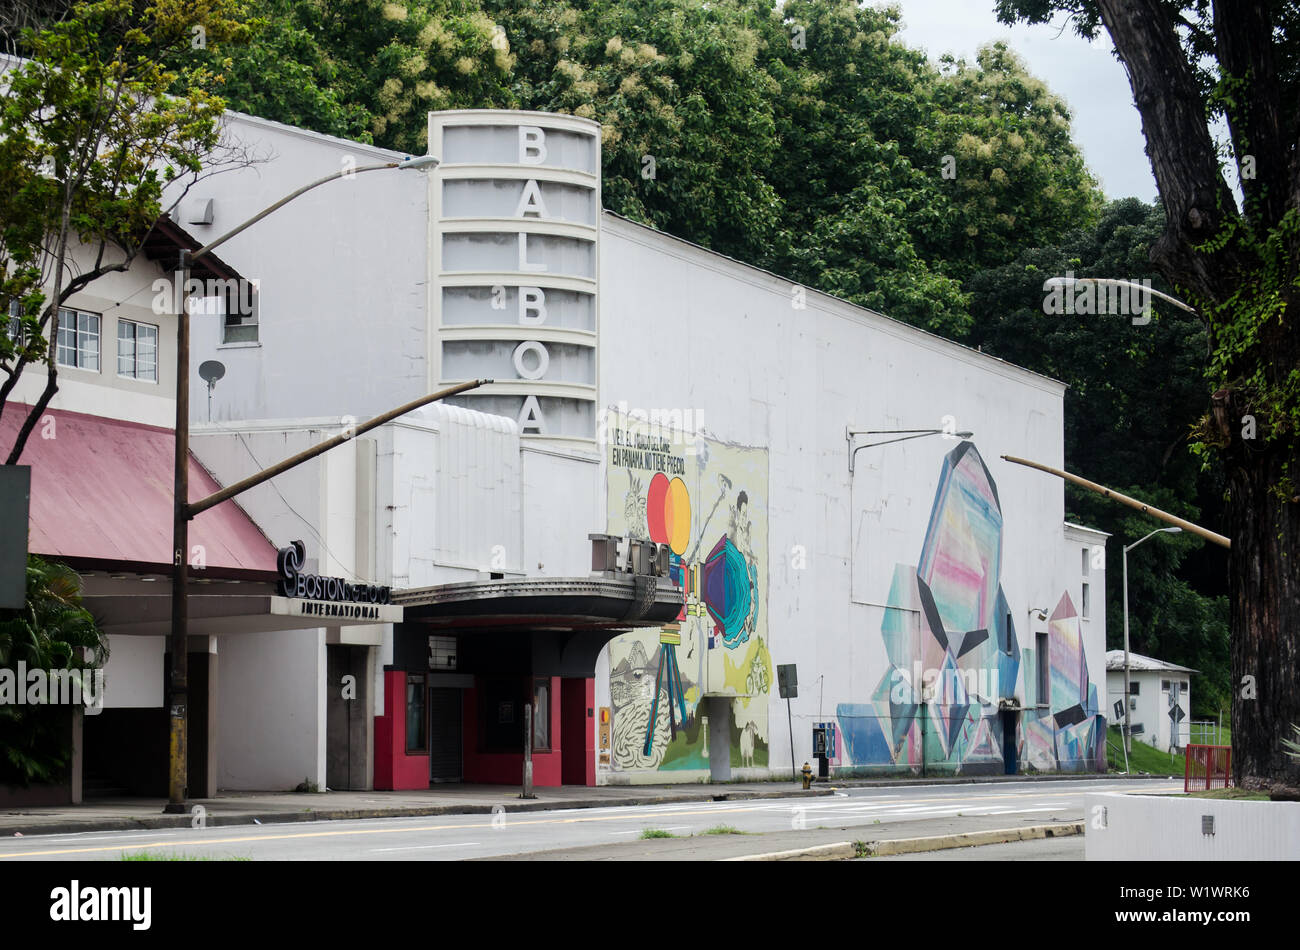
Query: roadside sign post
[(15, 501), (787, 681)]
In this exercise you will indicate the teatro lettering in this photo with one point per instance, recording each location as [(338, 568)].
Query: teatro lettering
[(294, 583)]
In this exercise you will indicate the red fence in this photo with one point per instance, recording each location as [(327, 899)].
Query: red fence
[(1208, 766)]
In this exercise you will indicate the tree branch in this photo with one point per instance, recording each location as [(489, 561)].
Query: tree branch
[(1183, 158), (1244, 41)]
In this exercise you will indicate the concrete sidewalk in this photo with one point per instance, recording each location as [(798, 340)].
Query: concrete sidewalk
[(242, 808)]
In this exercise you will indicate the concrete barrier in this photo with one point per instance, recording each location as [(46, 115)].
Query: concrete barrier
[(1126, 827)]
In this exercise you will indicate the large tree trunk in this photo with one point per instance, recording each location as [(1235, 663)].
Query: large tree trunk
[(1264, 525), (1264, 596)]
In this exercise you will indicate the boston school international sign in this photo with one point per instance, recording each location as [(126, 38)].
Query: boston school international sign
[(313, 595)]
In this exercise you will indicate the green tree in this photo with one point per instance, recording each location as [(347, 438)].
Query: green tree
[(1191, 64), (1135, 393), (89, 137), (805, 139), (53, 631), (685, 106)]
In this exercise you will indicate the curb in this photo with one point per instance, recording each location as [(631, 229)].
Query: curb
[(353, 814), (844, 850), (840, 851), (986, 779)]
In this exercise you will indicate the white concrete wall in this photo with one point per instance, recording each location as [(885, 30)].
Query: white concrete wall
[(271, 722), (343, 274), (682, 328), (1163, 828), (449, 497), (133, 675), (563, 502)]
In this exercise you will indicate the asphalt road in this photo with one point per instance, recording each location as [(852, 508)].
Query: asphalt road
[(612, 833)]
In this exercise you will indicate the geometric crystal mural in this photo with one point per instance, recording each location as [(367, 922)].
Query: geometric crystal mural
[(953, 652)]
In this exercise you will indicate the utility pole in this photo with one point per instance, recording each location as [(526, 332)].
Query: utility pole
[(183, 511)]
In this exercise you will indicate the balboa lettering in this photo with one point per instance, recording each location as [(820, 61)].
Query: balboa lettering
[(294, 583)]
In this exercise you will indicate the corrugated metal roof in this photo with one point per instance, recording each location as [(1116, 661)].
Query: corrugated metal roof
[(1143, 664), (102, 490)]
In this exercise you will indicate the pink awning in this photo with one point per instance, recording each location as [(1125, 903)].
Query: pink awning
[(102, 491)]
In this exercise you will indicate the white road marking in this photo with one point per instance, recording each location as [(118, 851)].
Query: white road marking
[(426, 847)]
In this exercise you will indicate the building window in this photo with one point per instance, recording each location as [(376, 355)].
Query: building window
[(1087, 602), (78, 340), (416, 733), (1164, 684), (1086, 562), (1044, 671), (1133, 689), (241, 316), (541, 716), (137, 350), (442, 654)]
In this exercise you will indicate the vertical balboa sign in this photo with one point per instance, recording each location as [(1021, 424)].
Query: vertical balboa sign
[(516, 220)]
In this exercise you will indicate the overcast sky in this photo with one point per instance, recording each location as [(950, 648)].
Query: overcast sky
[(1087, 76)]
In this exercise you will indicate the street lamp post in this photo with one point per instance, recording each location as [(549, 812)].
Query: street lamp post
[(183, 511), (903, 436), (1127, 732), (1113, 282)]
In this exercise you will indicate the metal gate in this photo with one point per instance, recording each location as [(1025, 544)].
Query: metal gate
[(444, 734)]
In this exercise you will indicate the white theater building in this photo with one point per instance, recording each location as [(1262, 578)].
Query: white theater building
[(940, 614)]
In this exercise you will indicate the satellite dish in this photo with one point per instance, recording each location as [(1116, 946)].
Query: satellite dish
[(211, 370)]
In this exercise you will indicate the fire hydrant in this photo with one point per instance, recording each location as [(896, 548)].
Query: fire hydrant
[(807, 774)]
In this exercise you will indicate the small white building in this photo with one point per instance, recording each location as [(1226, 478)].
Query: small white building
[(1160, 698)]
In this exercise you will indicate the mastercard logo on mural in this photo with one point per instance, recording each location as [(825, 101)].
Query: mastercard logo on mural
[(668, 513), (722, 582)]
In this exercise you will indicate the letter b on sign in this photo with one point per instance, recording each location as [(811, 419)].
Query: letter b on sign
[(532, 145)]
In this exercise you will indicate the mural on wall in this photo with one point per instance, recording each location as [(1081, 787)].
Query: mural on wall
[(1071, 734), (953, 652), (708, 505)]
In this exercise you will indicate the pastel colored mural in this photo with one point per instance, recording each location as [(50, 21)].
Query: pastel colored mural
[(1071, 734), (953, 654), (707, 502)]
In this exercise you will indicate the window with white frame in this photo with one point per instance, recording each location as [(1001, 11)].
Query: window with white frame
[(137, 350), (78, 339), (241, 314)]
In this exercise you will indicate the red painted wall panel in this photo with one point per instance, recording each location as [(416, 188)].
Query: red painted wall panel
[(578, 731), (395, 769)]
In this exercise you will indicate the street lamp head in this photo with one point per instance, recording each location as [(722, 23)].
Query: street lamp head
[(1174, 530), (423, 161), (964, 435)]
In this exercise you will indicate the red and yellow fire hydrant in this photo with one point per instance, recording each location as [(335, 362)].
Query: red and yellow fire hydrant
[(807, 774)]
